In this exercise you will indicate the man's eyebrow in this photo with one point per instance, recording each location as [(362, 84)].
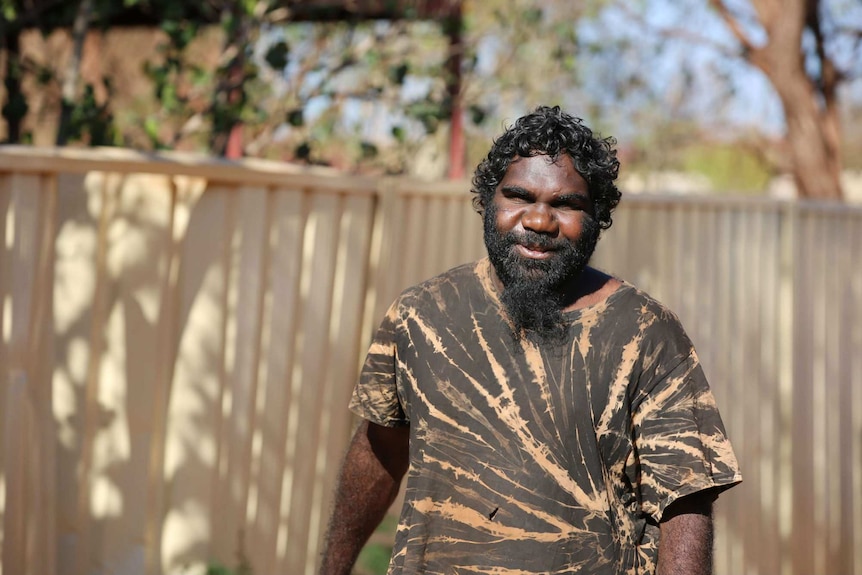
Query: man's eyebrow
[(517, 190), (573, 197)]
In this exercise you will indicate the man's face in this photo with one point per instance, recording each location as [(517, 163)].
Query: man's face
[(540, 234)]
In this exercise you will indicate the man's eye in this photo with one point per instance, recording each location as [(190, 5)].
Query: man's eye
[(569, 207)]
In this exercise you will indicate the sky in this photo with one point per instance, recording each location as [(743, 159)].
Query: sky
[(686, 72)]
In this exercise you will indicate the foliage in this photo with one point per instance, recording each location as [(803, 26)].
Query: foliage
[(215, 99), (92, 122), (89, 120), (728, 167), (243, 565), (520, 55), (374, 558), (176, 80), (349, 93), (298, 90), (219, 569), (352, 89)]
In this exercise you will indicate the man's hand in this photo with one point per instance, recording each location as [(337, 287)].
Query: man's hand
[(368, 484), (685, 543)]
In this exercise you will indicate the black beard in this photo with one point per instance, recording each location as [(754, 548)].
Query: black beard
[(535, 291)]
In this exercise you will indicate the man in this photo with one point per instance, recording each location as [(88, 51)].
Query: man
[(550, 418)]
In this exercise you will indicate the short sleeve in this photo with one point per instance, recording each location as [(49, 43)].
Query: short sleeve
[(375, 396), (679, 439)]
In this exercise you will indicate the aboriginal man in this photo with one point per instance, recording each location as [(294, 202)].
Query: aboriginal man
[(548, 417)]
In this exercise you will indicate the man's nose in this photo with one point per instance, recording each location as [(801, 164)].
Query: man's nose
[(540, 219)]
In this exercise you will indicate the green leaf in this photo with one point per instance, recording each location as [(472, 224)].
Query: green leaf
[(399, 133), (303, 151), (170, 27), (477, 114), (218, 569), (9, 12), (375, 557), (296, 117), (368, 150), (200, 76), (398, 73), (189, 32), (373, 57), (169, 97), (430, 113), (44, 76), (532, 16), (277, 55), (16, 107), (248, 6), (151, 128)]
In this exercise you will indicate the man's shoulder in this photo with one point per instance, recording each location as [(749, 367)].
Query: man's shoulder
[(448, 297), (457, 279), (470, 271), (641, 305), (653, 324)]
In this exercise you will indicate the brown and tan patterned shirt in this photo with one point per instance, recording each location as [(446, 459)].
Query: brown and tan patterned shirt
[(526, 460)]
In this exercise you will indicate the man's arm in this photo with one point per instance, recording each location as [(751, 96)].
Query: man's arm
[(685, 542), (368, 484)]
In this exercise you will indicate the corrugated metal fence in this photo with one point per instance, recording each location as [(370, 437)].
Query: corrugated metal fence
[(180, 337)]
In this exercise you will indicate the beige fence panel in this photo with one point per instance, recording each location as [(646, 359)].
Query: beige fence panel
[(181, 337), (207, 332), (770, 294), (422, 229), (26, 271)]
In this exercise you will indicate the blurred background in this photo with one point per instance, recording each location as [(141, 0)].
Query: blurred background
[(206, 207), (702, 95)]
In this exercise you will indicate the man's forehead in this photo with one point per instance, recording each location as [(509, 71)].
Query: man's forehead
[(535, 166), (562, 159)]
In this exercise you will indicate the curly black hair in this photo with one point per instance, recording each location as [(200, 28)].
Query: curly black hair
[(550, 131)]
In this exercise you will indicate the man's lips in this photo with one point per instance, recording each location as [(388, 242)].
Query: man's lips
[(535, 252)]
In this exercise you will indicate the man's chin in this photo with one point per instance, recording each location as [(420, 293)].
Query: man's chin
[(546, 274), (538, 277)]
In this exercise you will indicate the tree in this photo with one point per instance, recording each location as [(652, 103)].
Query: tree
[(521, 54), (806, 49), (809, 94)]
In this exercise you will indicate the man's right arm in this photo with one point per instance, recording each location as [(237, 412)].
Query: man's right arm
[(368, 484)]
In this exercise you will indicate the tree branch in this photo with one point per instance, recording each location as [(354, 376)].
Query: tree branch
[(685, 34), (733, 23), (73, 69), (830, 76)]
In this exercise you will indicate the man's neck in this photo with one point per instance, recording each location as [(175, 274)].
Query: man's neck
[(590, 287)]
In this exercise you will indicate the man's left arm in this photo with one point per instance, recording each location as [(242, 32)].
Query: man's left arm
[(685, 541)]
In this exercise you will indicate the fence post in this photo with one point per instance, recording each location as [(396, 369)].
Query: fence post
[(28, 442), (787, 307), (16, 427), (378, 278)]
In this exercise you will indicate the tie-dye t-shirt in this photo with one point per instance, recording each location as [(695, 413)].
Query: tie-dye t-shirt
[(526, 460)]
